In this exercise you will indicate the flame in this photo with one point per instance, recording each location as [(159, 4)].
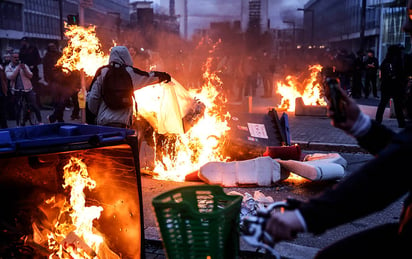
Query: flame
[(83, 51), (309, 89), (185, 152), (204, 141), (74, 236)]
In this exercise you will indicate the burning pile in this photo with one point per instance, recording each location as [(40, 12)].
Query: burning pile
[(310, 89), (73, 234)]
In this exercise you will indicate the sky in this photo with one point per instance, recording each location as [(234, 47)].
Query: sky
[(202, 12)]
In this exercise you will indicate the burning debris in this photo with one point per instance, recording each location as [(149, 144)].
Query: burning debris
[(189, 128), (73, 235), (308, 88), (79, 201)]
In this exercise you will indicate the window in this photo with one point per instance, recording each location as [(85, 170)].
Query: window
[(11, 16)]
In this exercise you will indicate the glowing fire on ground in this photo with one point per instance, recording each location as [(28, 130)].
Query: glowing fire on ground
[(74, 235), (83, 51), (309, 89)]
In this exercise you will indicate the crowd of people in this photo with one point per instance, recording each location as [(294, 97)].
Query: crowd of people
[(21, 77), (241, 67)]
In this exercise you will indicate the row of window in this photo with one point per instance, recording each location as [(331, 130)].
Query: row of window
[(50, 7), (42, 24), (11, 16)]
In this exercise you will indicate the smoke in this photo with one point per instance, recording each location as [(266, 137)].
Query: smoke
[(285, 11), (202, 12)]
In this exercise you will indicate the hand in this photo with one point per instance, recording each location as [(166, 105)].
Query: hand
[(283, 225), (350, 108), (22, 66), (163, 76)]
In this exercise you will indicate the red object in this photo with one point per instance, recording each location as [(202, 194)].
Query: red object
[(284, 152), (193, 177)]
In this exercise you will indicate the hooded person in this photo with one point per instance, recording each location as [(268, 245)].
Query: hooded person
[(106, 116)]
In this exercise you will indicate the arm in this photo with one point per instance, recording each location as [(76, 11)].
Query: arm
[(26, 71), (12, 73), (142, 78), (360, 193)]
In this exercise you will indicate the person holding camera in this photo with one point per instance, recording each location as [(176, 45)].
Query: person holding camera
[(20, 76), (363, 192)]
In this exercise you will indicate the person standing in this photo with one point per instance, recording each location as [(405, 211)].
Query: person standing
[(3, 98), (29, 55), (392, 85), (19, 75), (64, 80), (267, 70), (371, 72), (360, 193), (358, 69), (49, 72), (119, 55)]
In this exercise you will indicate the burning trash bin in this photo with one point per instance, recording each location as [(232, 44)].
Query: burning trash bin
[(70, 191)]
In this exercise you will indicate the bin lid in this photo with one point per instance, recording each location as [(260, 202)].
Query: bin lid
[(19, 139)]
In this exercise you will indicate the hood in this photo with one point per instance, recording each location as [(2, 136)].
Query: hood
[(121, 55)]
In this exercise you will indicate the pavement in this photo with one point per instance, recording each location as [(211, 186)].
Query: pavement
[(310, 132)]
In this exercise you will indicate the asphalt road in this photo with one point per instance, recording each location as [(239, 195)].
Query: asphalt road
[(315, 134)]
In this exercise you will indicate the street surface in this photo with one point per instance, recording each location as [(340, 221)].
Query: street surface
[(313, 134)]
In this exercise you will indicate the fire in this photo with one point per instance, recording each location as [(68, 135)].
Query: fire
[(74, 235), (186, 152), (83, 51), (309, 89)]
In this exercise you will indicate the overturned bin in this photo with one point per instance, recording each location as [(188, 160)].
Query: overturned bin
[(70, 191)]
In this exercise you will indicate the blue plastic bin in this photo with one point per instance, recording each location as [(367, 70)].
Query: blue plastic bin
[(32, 161)]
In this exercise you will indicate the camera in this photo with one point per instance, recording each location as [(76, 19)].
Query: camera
[(334, 97)]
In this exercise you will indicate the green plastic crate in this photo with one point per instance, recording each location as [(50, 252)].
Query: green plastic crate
[(199, 221)]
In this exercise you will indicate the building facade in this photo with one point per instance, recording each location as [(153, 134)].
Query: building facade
[(354, 24), (42, 20)]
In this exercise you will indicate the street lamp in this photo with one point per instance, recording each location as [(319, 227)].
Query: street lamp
[(312, 30)]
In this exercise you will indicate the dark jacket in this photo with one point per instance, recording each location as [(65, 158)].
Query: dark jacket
[(3, 82), (49, 63), (375, 186)]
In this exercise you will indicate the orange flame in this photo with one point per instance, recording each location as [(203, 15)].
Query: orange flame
[(201, 144), (309, 89), (74, 235), (186, 152), (83, 51)]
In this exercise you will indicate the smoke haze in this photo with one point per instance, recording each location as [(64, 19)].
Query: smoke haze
[(202, 12)]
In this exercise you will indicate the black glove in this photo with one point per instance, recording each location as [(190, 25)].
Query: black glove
[(163, 76)]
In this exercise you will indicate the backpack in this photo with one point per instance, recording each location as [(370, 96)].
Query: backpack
[(117, 88)]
